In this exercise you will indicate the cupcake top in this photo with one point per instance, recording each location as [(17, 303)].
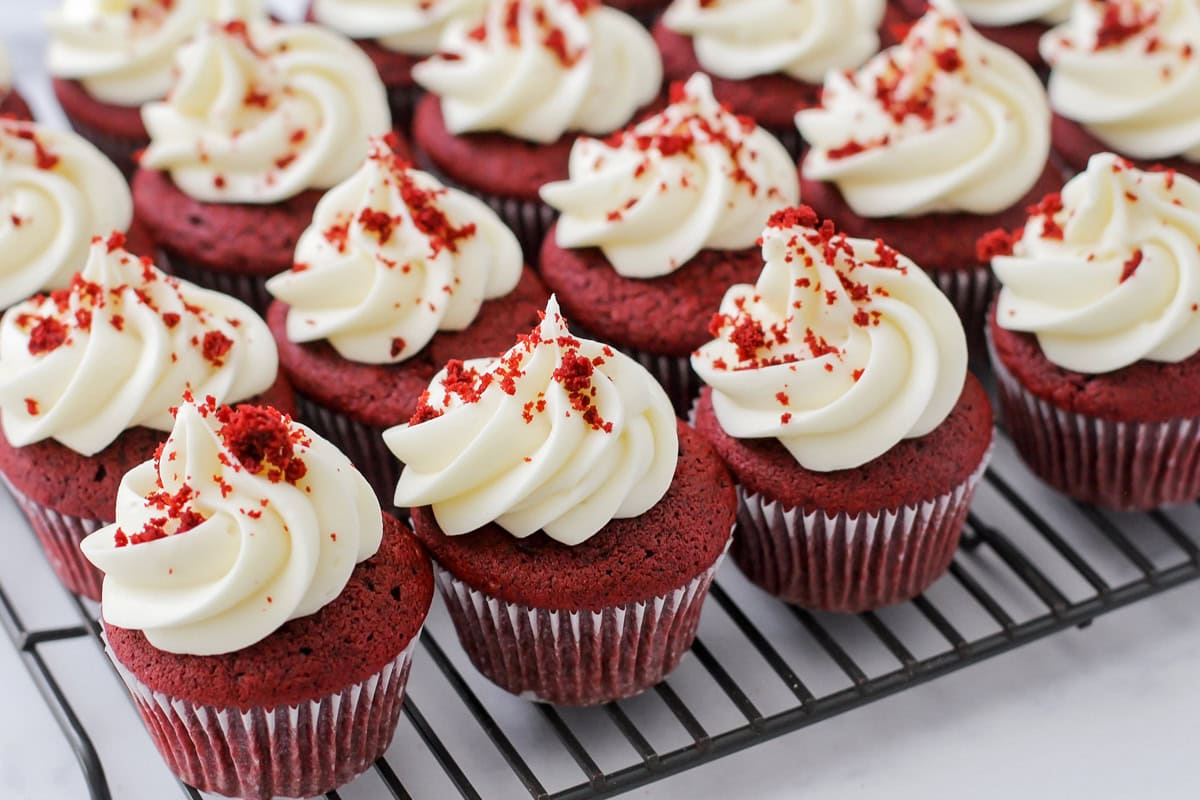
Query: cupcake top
[(57, 191), (559, 434), (1129, 72), (244, 520), (118, 348), (413, 27), (535, 69), (803, 39), (842, 349), (261, 112), (944, 121), (694, 176), (391, 258), (123, 51), (1108, 272), (1002, 13)]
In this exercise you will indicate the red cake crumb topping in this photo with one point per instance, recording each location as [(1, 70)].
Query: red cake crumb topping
[(31, 406), (998, 242), (43, 158), (548, 34), (1122, 21), (1131, 266), (1049, 206), (47, 335), (263, 440)]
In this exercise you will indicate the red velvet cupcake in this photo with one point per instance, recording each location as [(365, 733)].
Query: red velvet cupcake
[(508, 98), (1124, 79), (88, 375), (261, 611), (396, 276), (839, 398), (576, 525), (1017, 25), (225, 193), (644, 11), (768, 61), (656, 223), (1096, 383), (932, 143)]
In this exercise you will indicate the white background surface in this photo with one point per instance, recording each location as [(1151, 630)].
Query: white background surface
[(1109, 712)]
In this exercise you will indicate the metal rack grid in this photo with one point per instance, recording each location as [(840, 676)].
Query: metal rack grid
[(1031, 564)]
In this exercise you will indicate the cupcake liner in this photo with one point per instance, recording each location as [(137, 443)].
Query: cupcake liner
[(250, 289), (970, 291), (1129, 466), (791, 141), (850, 562), (675, 374), (576, 658), (362, 443), (119, 149), (285, 751), (60, 535)]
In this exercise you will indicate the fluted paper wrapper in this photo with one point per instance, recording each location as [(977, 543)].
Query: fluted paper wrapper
[(119, 150), (576, 658), (286, 751), (970, 291), (674, 374), (362, 443), (850, 562), (1129, 466), (250, 289), (60, 535)]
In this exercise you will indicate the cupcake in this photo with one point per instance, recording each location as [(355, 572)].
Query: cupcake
[(838, 394), (108, 59), (657, 221), (575, 524), (258, 606), (1095, 337), (1125, 77), (57, 191), (88, 375), (11, 103), (930, 145), (508, 98), (768, 59), (1015, 24), (396, 275), (262, 119), (396, 35)]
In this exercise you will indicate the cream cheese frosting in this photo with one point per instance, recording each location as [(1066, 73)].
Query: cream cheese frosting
[(945, 121), (694, 176), (1129, 72), (842, 349), (559, 434), (123, 51), (119, 348), (57, 191), (803, 39), (244, 521), (1002, 13), (413, 27), (261, 112), (391, 258), (536, 69), (1109, 273)]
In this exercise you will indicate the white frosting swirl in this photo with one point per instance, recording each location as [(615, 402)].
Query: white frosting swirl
[(559, 434), (119, 348), (413, 27), (391, 258), (692, 177), (57, 191), (123, 51), (1112, 274), (241, 550), (803, 39), (944, 121), (1129, 72), (538, 68), (262, 112), (842, 349), (1002, 13)]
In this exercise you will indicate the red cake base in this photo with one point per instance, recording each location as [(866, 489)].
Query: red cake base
[(117, 130), (1076, 145)]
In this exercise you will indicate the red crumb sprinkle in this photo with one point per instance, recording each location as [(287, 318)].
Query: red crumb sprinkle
[(998, 242), (170, 319), (785, 417), (47, 335), (177, 517), (1121, 22), (264, 441), (1130, 267), (398, 345), (1050, 205), (856, 374), (115, 241), (215, 347), (31, 406)]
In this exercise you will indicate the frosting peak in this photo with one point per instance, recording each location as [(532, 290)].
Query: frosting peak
[(406, 26), (262, 112), (559, 434), (841, 349), (944, 121), (536, 69), (391, 258), (243, 521), (694, 176)]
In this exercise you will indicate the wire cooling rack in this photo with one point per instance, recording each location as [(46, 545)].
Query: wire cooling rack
[(1031, 564)]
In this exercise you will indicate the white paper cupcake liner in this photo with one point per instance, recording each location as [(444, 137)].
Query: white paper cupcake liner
[(362, 443), (285, 751), (250, 289), (850, 562), (576, 658), (970, 291), (60, 535), (674, 374)]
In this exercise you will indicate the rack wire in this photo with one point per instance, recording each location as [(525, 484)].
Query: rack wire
[(1031, 564)]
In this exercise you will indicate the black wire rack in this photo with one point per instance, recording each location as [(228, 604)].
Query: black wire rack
[(1031, 564)]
